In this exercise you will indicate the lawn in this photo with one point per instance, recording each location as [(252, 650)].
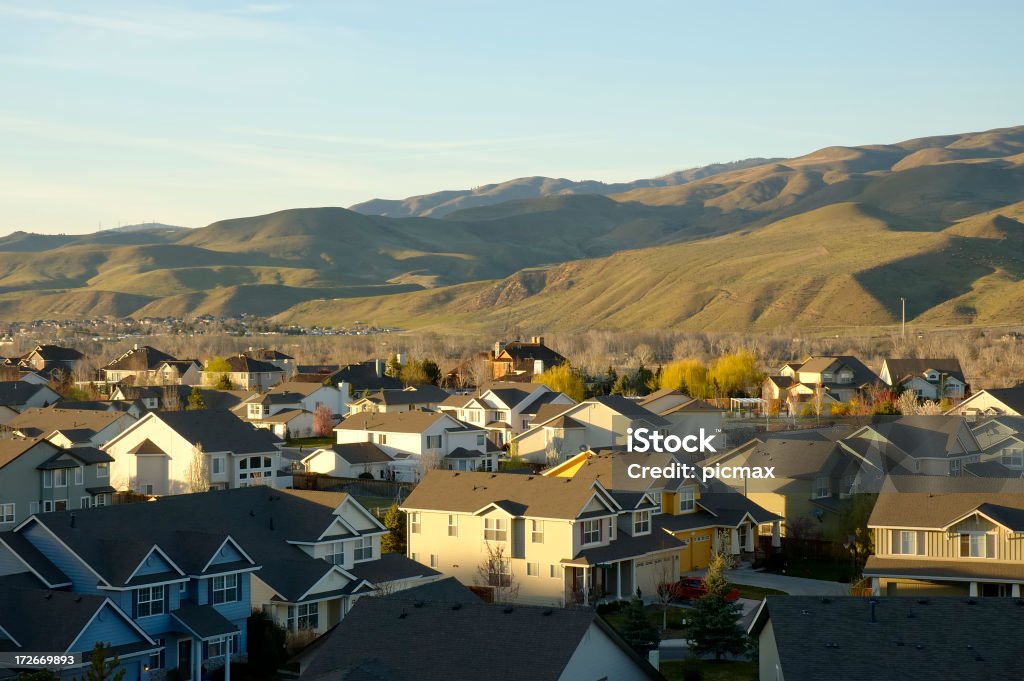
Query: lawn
[(375, 502), (310, 442), (654, 616), (756, 593), (819, 568), (711, 670)]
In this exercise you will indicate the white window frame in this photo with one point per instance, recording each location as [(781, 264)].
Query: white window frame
[(154, 602), (85, 502), (434, 560), (47, 479), (591, 532), (536, 531), (975, 536), (553, 571), (335, 553), (822, 488), (641, 522), (495, 529), (453, 525), (227, 588), (687, 500), (433, 439), (363, 549), (79, 475), (415, 525), (217, 465), (8, 512), (303, 616), (533, 569), (103, 470), (60, 477)]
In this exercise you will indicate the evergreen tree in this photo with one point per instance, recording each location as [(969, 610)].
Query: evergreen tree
[(394, 540), (393, 368), (224, 383), (196, 401), (637, 630), (102, 669), (714, 621)]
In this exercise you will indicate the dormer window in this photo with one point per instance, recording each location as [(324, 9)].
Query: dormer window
[(590, 532), (977, 545), (641, 523), (687, 500)]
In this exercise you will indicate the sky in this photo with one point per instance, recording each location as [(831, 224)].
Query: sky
[(119, 112)]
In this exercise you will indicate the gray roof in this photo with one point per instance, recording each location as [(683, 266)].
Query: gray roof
[(220, 431), (1013, 398), (205, 621), (43, 421), (49, 573), (361, 452), (422, 394), (16, 393), (463, 453), (400, 422), (627, 546), (58, 617), (247, 365), (143, 358), (404, 637), (937, 501), (900, 369), (861, 373), (629, 408), (12, 448), (990, 469), (391, 567), (913, 639), (924, 436)]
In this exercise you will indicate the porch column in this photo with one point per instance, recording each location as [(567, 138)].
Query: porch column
[(618, 581), (586, 590), (876, 586), (734, 541), (1015, 590), (974, 590), (777, 533), (632, 576), (197, 660), (750, 538), (716, 541)]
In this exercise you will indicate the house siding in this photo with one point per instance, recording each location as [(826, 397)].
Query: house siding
[(82, 580)]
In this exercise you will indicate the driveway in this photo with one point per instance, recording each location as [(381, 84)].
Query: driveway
[(794, 586)]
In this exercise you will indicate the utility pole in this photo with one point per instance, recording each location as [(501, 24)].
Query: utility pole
[(903, 302)]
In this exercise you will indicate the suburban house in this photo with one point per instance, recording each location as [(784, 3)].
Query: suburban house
[(136, 409), (504, 409), (309, 396), (364, 376), (350, 461), (84, 620), (149, 396), (706, 518), (831, 379), (668, 402), (138, 366), (412, 398), (929, 379), (560, 431), (849, 638), (420, 440), (924, 445), (288, 409), (155, 454), (813, 474), (286, 363), (17, 396), (436, 633), (521, 360), (1001, 439), (992, 402), (246, 373), (179, 372), (78, 426), (948, 536), (48, 359)]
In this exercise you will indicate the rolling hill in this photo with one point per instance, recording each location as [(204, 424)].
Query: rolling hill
[(832, 238)]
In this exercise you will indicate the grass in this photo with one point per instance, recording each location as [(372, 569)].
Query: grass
[(756, 593), (654, 616), (326, 441), (819, 568), (370, 502), (711, 670)]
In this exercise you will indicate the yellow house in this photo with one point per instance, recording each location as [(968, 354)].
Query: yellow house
[(705, 518)]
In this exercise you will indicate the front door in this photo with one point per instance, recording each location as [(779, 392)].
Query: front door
[(185, 658)]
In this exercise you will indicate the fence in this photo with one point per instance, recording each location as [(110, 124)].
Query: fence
[(358, 487)]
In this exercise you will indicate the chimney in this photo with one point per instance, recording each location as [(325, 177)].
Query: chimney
[(498, 347), (135, 346), (378, 366)]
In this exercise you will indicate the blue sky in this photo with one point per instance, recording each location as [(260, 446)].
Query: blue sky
[(185, 113)]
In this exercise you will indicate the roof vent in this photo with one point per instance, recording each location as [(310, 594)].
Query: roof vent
[(456, 606), (418, 604), (826, 601), (805, 612), (402, 615), (923, 601), (919, 646), (48, 595), (508, 609), (972, 601), (831, 645), (78, 598), (547, 613)]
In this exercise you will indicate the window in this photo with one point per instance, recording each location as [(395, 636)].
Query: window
[(908, 542), (79, 475), (553, 571), (590, 531), (364, 549), (533, 569), (822, 488), (433, 442), (1013, 458), (955, 467), (6, 513), (382, 438), (488, 464), (537, 531), (47, 506), (33, 507), (642, 522), (103, 470), (977, 545), (86, 502), (101, 500), (225, 589), (686, 500), (60, 477), (433, 560), (47, 479), (60, 505), (495, 529), (414, 522), (149, 600), (499, 572), (183, 589), (481, 440), (218, 647), (336, 553), (303, 616), (453, 525), (156, 660), (217, 465)]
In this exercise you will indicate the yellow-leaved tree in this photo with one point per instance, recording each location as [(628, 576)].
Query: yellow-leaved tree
[(687, 375), (563, 379)]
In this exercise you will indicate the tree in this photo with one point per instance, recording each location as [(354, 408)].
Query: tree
[(495, 571), (323, 421), (420, 372), (666, 590), (394, 540), (171, 399), (713, 626), (735, 374), (818, 401), (393, 368), (224, 383), (637, 630), (197, 475), (853, 532), (563, 379), (687, 375), (101, 668), (196, 401)]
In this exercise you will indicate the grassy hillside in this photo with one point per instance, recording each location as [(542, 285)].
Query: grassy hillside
[(834, 237)]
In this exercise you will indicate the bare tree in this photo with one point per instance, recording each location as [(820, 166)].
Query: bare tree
[(666, 589), (197, 476), (819, 401), (171, 398), (495, 571), (908, 404)]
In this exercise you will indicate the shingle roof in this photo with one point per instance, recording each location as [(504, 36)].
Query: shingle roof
[(925, 436), (205, 621), (266, 354), (401, 422), (424, 394), (900, 369), (360, 453), (907, 638), (1013, 398), (546, 412), (990, 469), (510, 394), (522, 351), (12, 448), (43, 421), (218, 430), (55, 353), (143, 358), (300, 387), (247, 365), (629, 408), (391, 567), (538, 496), (16, 393), (936, 501), (925, 568), (37, 562), (403, 637), (861, 373)]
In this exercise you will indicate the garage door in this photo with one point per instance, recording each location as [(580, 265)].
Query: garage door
[(653, 570)]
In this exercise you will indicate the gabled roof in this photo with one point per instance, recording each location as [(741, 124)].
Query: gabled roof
[(16, 393), (533, 495), (204, 621), (1011, 398), (849, 638), (38, 564), (510, 394), (401, 422), (548, 412), (629, 408), (923, 436), (355, 453), (861, 373), (240, 364), (902, 369), (422, 394), (303, 388), (266, 354), (43, 421), (54, 353), (407, 636), (12, 448), (141, 358), (934, 502), (393, 567), (218, 430), (521, 351)]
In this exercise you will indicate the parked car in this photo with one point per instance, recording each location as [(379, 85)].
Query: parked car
[(690, 588)]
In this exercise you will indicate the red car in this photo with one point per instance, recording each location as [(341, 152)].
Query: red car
[(690, 588)]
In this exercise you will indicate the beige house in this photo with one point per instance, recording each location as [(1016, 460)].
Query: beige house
[(246, 374), (505, 409), (929, 379), (992, 402), (837, 378), (948, 536), (139, 366), (411, 398), (1002, 439), (923, 445)]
